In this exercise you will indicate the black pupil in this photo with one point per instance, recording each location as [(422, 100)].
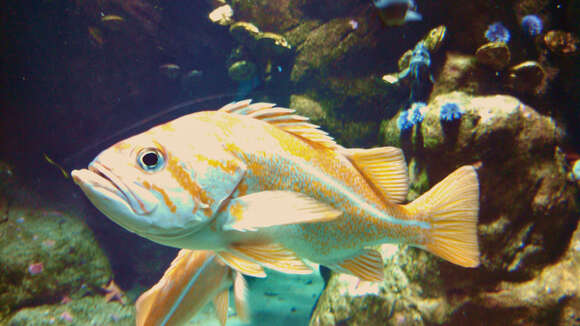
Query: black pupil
[(150, 159)]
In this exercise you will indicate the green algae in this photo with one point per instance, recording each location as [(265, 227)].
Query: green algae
[(90, 311), (73, 263)]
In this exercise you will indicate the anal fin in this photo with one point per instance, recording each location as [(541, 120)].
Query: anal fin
[(367, 265), (241, 264), (275, 257)]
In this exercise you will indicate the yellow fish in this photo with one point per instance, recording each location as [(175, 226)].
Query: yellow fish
[(264, 188), (193, 279)]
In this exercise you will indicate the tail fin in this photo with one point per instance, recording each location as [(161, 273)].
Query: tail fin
[(452, 207)]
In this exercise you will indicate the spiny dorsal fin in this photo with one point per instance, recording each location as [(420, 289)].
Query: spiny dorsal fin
[(284, 119), (385, 168)]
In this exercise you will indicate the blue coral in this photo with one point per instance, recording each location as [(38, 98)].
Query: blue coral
[(532, 25), (450, 112), (403, 122), (415, 114), (497, 32), (410, 117)]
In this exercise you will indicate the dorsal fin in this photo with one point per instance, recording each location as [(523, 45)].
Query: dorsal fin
[(385, 168), (284, 119)]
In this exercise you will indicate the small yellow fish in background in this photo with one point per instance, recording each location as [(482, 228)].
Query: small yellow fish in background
[(58, 166), (193, 279), (112, 22), (262, 187), (96, 36)]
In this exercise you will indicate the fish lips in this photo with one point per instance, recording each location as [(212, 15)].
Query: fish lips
[(100, 183)]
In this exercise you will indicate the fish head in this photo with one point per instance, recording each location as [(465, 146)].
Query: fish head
[(159, 184)]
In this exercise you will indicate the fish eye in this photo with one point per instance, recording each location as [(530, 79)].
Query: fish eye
[(151, 159)]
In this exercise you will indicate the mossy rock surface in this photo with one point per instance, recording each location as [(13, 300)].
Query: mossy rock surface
[(73, 264), (90, 311)]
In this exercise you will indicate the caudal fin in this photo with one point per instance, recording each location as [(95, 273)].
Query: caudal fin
[(452, 207)]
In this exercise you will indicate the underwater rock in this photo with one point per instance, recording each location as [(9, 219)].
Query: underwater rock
[(273, 16), (222, 15), (272, 44), (245, 33), (434, 39), (494, 54), (170, 70), (522, 247), (562, 42), (550, 298), (504, 135), (191, 81), (398, 300), (396, 12), (462, 72), (405, 59), (242, 70), (307, 107), (326, 47), (347, 132), (528, 77), (72, 262), (84, 311)]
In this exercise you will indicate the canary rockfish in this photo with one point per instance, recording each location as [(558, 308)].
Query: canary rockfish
[(263, 187)]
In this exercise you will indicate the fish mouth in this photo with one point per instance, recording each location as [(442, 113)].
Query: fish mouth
[(101, 177), (111, 180)]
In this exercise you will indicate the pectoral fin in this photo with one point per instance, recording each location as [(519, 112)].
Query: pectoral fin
[(183, 290), (368, 266), (271, 208), (275, 257), (241, 264)]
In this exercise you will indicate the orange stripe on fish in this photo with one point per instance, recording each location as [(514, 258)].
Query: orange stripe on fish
[(228, 166), (166, 198), (182, 176)]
